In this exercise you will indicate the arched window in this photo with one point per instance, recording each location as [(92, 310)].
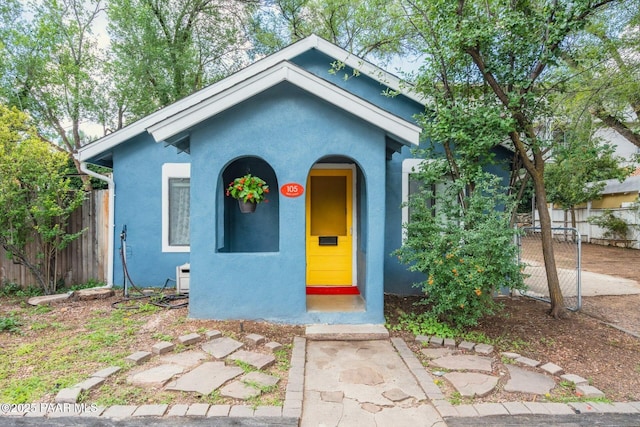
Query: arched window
[(250, 232)]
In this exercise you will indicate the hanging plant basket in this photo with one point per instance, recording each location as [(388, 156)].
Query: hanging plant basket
[(249, 191), (247, 207)]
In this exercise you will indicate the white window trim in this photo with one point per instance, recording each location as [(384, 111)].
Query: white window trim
[(410, 166), (171, 170)]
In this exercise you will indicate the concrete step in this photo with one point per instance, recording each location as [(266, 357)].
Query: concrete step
[(346, 332)]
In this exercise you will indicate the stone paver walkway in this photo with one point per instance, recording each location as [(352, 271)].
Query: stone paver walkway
[(476, 376), (472, 384), (200, 369), (205, 378), (342, 383)]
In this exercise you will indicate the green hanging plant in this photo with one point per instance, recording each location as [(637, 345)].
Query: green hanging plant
[(249, 189)]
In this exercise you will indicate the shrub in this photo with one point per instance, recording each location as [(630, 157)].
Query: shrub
[(9, 289), (615, 228), (466, 251)]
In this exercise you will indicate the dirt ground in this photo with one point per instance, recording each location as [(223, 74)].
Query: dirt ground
[(622, 311), (584, 344), (580, 344), (611, 260), (61, 345)]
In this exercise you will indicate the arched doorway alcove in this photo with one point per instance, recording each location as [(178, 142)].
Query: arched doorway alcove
[(250, 232)]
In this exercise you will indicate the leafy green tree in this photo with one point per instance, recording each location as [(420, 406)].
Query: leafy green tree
[(465, 250), (606, 62), (579, 167), (364, 28), (492, 62), (165, 50), (36, 198), (50, 66)]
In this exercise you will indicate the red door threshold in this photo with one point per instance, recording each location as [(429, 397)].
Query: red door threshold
[(332, 290)]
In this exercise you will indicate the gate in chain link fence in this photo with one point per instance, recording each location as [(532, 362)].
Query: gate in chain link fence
[(566, 248)]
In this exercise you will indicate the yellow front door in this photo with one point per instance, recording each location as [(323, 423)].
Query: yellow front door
[(329, 199)]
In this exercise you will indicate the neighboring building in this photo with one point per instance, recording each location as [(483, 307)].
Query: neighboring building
[(336, 154), (623, 148), (621, 198)]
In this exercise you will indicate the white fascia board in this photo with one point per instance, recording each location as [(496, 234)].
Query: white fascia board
[(107, 142), (215, 104), (285, 71), (333, 51), (394, 125), (141, 125), (312, 42)]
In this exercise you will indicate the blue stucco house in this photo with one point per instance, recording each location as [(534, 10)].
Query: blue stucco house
[(336, 154)]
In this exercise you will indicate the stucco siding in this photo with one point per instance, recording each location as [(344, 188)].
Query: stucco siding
[(360, 85), (397, 279), (290, 130), (138, 180)]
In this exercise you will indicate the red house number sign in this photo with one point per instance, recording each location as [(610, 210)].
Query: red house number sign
[(292, 190)]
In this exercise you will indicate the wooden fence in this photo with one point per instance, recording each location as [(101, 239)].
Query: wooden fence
[(85, 258)]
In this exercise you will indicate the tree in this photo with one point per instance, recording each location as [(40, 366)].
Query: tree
[(166, 50), (50, 66), (606, 63), (580, 165), (36, 198), (492, 60), (364, 28)]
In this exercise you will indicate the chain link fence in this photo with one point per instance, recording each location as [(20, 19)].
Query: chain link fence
[(566, 249)]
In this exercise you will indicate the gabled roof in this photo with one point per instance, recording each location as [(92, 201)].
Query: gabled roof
[(395, 126), (168, 122)]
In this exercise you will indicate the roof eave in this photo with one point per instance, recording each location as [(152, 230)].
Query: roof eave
[(395, 126), (108, 142)]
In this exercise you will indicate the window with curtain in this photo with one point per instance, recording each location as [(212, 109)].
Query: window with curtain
[(179, 211), (176, 188)]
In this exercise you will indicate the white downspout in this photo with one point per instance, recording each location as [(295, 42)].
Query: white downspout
[(110, 239)]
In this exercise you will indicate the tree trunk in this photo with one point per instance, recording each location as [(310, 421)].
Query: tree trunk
[(620, 127), (555, 293), (521, 190), (19, 257), (535, 170)]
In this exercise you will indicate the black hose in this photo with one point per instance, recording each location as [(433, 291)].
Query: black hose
[(157, 298), (167, 301)]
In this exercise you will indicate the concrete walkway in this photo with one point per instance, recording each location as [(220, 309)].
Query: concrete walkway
[(382, 383), (362, 383), (592, 284)]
